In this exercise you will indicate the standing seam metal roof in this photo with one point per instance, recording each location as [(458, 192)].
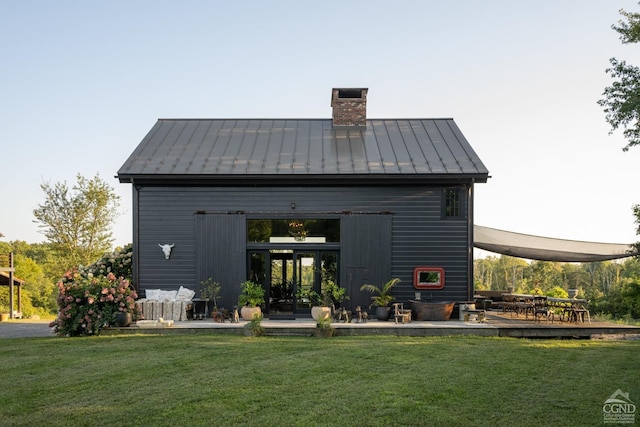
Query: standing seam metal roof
[(211, 147)]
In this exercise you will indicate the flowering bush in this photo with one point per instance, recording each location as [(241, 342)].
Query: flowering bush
[(117, 262), (87, 303)]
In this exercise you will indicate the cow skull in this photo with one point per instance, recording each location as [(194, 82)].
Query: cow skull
[(166, 248)]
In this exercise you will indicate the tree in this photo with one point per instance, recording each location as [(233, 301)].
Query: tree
[(77, 223), (621, 101)]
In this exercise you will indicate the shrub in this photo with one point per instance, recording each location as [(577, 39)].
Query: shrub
[(87, 304), (118, 262)]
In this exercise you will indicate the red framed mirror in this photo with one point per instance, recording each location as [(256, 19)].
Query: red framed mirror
[(428, 278)]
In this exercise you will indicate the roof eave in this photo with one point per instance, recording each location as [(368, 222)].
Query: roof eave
[(291, 179)]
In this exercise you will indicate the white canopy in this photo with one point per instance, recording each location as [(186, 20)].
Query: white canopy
[(546, 248)]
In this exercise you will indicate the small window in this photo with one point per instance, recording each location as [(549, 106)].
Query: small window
[(452, 203)]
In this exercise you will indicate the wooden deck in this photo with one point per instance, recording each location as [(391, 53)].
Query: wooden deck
[(495, 325)]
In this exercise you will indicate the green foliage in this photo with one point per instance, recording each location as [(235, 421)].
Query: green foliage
[(383, 297), (252, 294), (621, 101), (77, 223), (255, 325), (622, 302), (557, 292), (118, 262), (324, 327), (87, 304), (330, 295), (210, 289)]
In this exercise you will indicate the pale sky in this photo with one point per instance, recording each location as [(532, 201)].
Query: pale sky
[(82, 82)]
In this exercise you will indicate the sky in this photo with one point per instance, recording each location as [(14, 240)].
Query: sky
[(81, 84)]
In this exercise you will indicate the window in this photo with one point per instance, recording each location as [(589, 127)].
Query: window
[(452, 203), (293, 230)]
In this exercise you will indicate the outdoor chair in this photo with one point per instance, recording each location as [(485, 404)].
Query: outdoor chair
[(509, 304), (578, 314), (541, 309), (400, 313)]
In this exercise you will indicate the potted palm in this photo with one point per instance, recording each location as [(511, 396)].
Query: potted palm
[(250, 299), (383, 299)]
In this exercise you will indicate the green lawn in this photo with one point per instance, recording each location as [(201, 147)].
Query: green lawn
[(198, 380)]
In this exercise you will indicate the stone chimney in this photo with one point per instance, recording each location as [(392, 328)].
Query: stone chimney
[(349, 106)]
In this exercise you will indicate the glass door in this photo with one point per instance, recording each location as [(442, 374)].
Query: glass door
[(305, 277), (281, 289), (283, 271)]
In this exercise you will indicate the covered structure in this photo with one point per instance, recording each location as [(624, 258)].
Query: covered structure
[(546, 248), (7, 278)]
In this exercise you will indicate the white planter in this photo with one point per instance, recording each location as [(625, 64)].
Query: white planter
[(318, 313), (247, 313)]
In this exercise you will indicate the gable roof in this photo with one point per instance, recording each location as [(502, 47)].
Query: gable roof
[(261, 149)]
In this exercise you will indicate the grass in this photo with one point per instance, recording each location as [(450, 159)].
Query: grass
[(351, 381)]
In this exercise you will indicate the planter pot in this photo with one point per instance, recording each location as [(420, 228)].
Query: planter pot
[(324, 332), (4, 317), (573, 293), (382, 313), (123, 319), (318, 313), (247, 313)]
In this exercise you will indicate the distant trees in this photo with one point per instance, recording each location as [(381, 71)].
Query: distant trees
[(77, 223)]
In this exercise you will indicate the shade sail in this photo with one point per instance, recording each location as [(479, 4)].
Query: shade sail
[(546, 248)]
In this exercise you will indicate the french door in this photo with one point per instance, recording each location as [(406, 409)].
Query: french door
[(284, 271)]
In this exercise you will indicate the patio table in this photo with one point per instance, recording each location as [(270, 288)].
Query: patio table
[(572, 309)]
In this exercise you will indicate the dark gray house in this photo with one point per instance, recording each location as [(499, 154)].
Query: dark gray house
[(293, 203)]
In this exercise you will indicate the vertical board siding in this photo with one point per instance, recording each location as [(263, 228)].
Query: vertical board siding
[(419, 235), (365, 254), (221, 253)]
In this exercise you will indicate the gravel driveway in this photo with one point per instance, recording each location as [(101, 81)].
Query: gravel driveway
[(18, 329)]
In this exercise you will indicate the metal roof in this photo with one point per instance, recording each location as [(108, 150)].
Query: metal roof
[(280, 148)]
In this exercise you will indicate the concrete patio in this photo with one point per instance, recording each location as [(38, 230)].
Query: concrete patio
[(495, 325)]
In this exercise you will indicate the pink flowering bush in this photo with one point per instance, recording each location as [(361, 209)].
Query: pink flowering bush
[(118, 262), (87, 304)]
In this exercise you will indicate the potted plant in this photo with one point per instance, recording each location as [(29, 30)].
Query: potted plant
[(324, 328), (254, 327), (250, 299), (383, 299), (210, 291), (308, 296), (322, 303), (4, 313)]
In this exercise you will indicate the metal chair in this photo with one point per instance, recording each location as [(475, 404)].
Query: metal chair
[(578, 313), (541, 309)]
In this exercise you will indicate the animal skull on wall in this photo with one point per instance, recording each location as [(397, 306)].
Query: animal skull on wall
[(166, 248)]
